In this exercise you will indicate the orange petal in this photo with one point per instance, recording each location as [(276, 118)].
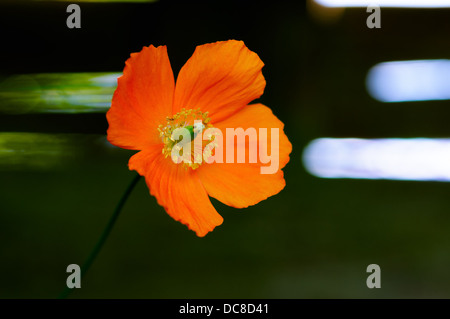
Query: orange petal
[(260, 116), (142, 100), (221, 78), (177, 189), (241, 185)]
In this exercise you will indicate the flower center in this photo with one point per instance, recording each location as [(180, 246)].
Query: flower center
[(194, 122)]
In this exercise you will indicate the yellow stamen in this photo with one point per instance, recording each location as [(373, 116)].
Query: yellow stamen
[(185, 119)]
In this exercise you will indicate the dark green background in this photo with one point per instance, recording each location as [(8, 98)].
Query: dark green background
[(313, 240)]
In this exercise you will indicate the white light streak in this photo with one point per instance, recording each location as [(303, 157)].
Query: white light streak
[(420, 159), (416, 80), (386, 3)]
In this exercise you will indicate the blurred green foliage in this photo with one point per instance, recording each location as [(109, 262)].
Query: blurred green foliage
[(57, 92)]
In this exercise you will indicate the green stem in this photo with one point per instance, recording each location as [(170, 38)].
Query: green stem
[(90, 260)]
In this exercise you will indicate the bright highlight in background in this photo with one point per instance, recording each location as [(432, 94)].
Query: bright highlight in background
[(416, 80), (386, 3), (419, 159)]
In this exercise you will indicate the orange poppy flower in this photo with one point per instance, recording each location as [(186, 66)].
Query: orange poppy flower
[(215, 86)]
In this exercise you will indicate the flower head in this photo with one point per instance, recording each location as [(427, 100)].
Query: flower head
[(213, 91)]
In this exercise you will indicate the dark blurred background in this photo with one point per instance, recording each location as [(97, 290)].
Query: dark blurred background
[(60, 180)]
